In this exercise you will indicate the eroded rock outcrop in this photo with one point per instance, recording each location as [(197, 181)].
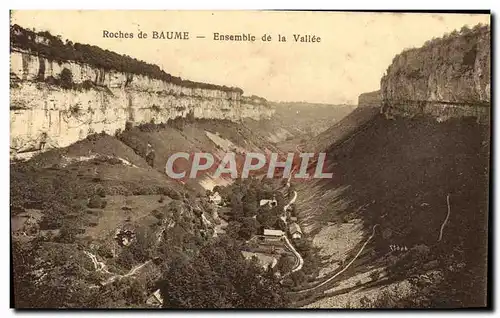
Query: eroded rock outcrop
[(55, 102), (370, 99), (447, 77)]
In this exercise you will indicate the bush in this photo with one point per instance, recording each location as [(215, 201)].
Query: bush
[(96, 202), (129, 125), (374, 275), (66, 78), (67, 234), (74, 110), (92, 223), (170, 193), (158, 214), (105, 251), (87, 85), (91, 212), (101, 191)]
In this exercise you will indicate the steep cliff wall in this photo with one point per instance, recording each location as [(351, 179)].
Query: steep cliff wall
[(447, 77), (47, 113)]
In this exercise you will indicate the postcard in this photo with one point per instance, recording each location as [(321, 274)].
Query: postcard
[(250, 159)]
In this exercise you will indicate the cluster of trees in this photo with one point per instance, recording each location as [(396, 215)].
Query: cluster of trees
[(48, 275), (219, 277), (61, 197), (247, 217), (198, 271), (465, 31), (55, 49)]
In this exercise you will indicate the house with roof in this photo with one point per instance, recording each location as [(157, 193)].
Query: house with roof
[(215, 198), (155, 300), (271, 203), (295, 231), (273, 233)]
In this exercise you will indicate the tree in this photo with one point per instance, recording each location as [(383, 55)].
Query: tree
[(67, 233), (66, 78), (248, 228), (250, 203), (219, 277)]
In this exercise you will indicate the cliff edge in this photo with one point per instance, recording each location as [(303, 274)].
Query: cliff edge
[(61, 92), (447, 77)]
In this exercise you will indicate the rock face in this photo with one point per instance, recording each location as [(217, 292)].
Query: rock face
[(447, 77), (370, 99), (46, 114)]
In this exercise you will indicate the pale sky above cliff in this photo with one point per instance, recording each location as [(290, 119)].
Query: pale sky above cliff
[(354, 52)]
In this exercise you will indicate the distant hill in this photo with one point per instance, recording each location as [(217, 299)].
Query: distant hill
[(308, 118), (295, 122)]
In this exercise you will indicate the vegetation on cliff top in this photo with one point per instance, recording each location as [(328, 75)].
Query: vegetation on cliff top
[(457, 49), (53, 48), (454, 58)]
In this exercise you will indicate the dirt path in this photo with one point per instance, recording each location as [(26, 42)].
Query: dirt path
[(102, 267)]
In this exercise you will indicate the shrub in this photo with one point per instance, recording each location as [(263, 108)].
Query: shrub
[(100, 191), (74, 110), (92, 223), (51, 80), (66, 78), (157, 214), (96, 202), (92, 212), (374, 275), (87, 85), (105, 251), (129, 125), (155, 108), (67, 234), (170, 193)]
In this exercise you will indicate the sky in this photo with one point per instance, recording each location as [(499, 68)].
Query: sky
[(355, 49)]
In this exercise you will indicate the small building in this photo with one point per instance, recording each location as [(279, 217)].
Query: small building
[(124, 237), (155, 299), (215, 198), (274, 233), (293, 219), (265, 261), (295, 231), (271, 203)]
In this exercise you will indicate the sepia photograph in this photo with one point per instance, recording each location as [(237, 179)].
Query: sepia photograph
[(250, 159)]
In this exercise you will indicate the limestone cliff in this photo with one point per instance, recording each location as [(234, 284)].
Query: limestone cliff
[(55, 102), (447, 77), (370, 99)]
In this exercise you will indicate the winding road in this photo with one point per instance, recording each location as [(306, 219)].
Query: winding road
[(299, 261), (327, 280)]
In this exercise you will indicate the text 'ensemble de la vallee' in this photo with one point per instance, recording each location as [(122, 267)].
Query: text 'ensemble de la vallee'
[(215, 36)]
